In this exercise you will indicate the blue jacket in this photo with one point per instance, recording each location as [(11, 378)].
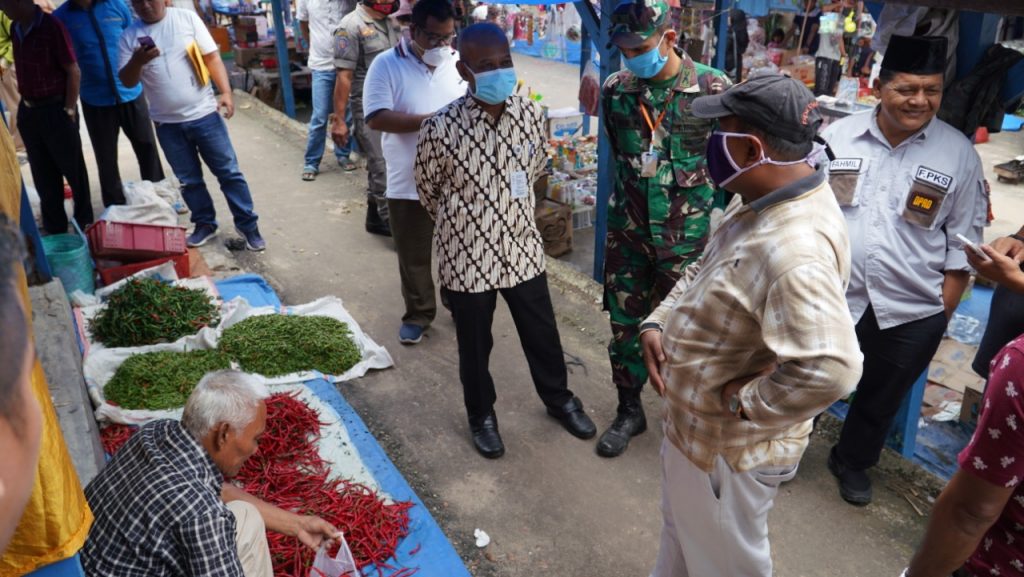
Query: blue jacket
[(95, 34)]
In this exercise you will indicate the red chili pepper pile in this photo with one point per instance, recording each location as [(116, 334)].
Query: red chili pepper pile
[(114, 436), (287, 471)]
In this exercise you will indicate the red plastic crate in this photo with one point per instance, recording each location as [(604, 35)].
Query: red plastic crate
[(130, 242), (112, 271)]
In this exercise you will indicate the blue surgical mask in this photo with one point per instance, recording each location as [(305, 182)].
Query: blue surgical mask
[(648, 64), (495, 86), (723, 169)]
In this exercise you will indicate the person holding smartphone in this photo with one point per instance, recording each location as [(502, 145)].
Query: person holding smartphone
[(171, 53)]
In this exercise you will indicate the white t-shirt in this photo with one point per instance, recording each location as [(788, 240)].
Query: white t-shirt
[(397, 80), (479, 13), (324, 17), (170, 83)]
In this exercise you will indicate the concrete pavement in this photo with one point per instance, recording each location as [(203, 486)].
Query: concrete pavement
[(551, 505)]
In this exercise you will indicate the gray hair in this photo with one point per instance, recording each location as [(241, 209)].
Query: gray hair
[(226, 396)]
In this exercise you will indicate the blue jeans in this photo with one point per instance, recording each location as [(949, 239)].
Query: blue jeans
[(207, 138), (323, 105)]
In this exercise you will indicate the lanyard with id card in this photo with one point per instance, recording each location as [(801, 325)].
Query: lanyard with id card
[(649, 159)]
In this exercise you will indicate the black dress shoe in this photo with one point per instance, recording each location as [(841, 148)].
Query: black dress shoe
[(574, 420), (854, 485), (629, 422), (374, 223), (486, 438)]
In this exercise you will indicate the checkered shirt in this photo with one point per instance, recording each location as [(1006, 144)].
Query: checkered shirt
[(158, 510), (769, 290)]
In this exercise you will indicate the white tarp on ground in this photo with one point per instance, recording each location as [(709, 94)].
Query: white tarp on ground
[(101, 363)]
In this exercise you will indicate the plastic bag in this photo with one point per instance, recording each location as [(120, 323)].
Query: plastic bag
[(590, 89), (341, 565)]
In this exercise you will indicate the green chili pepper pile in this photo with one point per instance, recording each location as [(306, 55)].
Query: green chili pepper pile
[(161, 380), (274, 345), (147, 311)]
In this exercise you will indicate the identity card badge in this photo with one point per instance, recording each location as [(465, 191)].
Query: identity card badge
[(649, 163), (519, 187)]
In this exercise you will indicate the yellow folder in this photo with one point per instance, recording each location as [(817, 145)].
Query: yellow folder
[(198, 64)]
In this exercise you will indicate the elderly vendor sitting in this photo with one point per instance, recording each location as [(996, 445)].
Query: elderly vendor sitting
[(162, 506)]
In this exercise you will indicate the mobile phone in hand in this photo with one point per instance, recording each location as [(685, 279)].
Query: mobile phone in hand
[(146, 42), (973, 247)]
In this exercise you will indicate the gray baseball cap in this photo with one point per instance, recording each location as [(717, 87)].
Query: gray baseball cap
[(773, 103)]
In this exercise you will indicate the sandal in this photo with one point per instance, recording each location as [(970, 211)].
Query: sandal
[(347, 165), (309, 175)]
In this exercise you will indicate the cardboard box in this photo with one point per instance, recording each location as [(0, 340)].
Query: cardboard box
[(970, 406), (564, 123), (951, 367), (221, 37), (554, 220)]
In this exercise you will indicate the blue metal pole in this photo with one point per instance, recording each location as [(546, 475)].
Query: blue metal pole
[(598, 28), (283, 66), (586, 55), (722, 28)]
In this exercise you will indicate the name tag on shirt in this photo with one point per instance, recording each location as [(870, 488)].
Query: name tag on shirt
[(934, 178), (519, 186), (846, 165)]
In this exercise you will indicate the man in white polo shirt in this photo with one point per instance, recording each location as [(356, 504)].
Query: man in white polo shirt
[(172, 53), (404, 86)]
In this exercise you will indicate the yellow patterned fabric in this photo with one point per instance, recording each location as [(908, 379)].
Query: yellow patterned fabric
[(57, 518)]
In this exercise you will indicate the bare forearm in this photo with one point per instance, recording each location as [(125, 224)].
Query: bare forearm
[(953, 288), (218, 73), (342, 90), (304, 27), (396, 122), (275, 518), (130, 74), (74, 82)]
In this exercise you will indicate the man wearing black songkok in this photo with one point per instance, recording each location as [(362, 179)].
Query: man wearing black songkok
[(907, 183)]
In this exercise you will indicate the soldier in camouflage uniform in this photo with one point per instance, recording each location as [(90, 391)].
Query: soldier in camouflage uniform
[(659, 212)]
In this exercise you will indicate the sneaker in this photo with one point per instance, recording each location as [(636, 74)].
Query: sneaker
[(201, 234), (854, 485), (410, 334), (253, 240)]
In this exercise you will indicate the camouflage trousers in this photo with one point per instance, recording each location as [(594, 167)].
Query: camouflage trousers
[(636, 279)]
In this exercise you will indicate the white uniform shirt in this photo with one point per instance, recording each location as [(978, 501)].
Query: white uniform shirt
[(904, 207), (169, 81), (399, 81), (324, 17)]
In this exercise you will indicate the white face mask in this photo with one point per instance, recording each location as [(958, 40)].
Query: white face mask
[(437, 56)]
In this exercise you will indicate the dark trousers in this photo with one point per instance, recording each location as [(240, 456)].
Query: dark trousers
[(1005, 323), (534, 317), (105, 124), (376, 167), (413, 232), (826, 76), (54, 150), (893, 360)]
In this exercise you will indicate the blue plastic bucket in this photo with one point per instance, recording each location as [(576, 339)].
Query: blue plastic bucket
[(68, 255)]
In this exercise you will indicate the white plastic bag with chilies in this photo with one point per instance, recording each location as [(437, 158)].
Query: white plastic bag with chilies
[(341, 565)]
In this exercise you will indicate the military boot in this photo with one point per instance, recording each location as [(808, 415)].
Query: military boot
[(629, 422), (374, 223)]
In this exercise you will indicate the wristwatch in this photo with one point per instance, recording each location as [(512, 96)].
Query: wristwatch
[(1016, 236)]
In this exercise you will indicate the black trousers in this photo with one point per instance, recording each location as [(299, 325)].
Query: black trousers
[(534, 317), (1005, 323), (826, 76), (105, 124), (54, 150), (893, 360)]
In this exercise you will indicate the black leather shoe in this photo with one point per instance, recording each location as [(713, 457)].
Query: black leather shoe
[(486, 438), (574, 420), (854, 486), (629, 422)]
